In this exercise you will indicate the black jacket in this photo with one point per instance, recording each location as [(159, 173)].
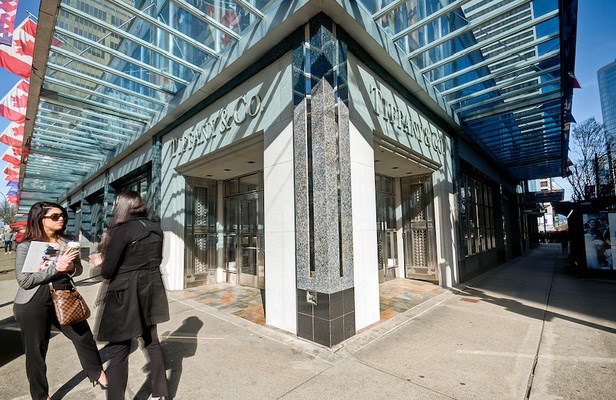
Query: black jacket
[(136, 296)]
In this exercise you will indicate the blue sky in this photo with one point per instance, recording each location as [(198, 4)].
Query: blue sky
[(596, 47)]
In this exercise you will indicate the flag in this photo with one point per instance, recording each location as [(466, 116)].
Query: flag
[(11, 158), (17, 58), (13, 105), (11, 173), (13, 135), (12, 184), (8, 11)]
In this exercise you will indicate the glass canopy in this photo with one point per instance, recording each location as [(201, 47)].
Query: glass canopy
[(113, 66)]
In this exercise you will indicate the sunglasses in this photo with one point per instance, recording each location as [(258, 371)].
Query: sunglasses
[(54, 217)]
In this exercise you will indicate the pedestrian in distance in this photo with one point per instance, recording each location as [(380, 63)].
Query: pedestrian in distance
[(8, 237), (33, 308), (135, 300)]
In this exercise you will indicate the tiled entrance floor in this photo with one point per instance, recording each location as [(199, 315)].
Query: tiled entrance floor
[(396, 296)]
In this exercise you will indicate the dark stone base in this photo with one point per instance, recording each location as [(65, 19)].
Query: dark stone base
[(328, 322)]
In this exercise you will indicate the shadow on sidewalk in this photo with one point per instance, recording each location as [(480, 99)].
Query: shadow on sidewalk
[(177, 345)]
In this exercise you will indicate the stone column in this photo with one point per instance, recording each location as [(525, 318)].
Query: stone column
[(323, 215)]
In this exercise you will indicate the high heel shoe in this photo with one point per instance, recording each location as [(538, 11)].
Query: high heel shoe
[(103, 386)]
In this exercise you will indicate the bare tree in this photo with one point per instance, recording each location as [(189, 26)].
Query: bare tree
[(8, 212), (589, 149)]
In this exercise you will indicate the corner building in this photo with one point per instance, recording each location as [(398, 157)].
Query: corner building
[(314, 161)]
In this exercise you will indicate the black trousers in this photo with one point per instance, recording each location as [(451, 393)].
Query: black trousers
[(117, 371), (35, 319)]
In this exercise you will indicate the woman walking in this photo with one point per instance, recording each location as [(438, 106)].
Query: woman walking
[(33, 308), (135, 301)]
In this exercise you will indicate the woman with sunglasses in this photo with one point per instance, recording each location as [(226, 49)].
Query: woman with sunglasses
[(33, 308), (135, 301)]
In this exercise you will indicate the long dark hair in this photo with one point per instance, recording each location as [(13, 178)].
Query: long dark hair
[(126, 206), (34, 226)]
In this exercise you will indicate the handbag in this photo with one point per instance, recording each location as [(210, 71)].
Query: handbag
[(70, 307)]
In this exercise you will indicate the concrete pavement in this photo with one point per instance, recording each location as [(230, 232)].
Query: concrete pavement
[(527, 329)]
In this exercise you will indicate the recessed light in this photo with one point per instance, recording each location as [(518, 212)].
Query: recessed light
[(377, 160), (208, 175), (394, 167), (227, 169), (251, 162)]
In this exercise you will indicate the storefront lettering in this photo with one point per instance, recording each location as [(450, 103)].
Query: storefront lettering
[(401, 120), (219, 122)]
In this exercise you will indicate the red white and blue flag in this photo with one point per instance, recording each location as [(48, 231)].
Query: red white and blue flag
[(8, 11)]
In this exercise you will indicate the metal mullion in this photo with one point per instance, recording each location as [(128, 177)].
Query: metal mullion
[(512, 106), (153, 21), (93, 93), (494, 60), (105, 107), (68, 132), (469, 27), (251, 9), (528, 136), (536, 160), (93, 113), (48, 138), (505, 83), (51, 152), (58, 168), (502, 71), (526, 147), (522, 115), (65, 143), (49, 178), (106, 84), (54, 131), (495, 134), (121, 56), (112, 71), (66, 119), (206, 18), (52, 121), (538, 154), (466, 51), (508, 95), (131, 37), (424, 21)]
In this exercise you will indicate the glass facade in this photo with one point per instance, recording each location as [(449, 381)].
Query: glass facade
[(607, 93), (115, 67), (477, 215)]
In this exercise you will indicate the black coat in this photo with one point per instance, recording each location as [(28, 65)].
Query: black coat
[(136, 296)]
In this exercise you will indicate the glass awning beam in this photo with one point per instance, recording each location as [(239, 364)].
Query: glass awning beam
[(514, 106), (251, 9), (505, 83), (492, 15), (424, 21), (197, 13), (105, 133), (109, 70), (509, 130), (102, 83), (121, 56), (91, 93), (493, 39), (127, 36), (95, 115), (72, 134), (535, 157), (508, 95), (493, 60), (58, 168), (45, 148), (66, 144), (498, 73), (536, 136), (160, 25), (519, 115), (101, 107)]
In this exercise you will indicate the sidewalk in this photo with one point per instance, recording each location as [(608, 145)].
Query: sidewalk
[(526, 327)]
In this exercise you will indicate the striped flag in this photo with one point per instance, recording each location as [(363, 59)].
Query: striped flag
[(8, 11), (13, 105)]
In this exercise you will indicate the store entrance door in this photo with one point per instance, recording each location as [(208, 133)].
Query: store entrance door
[(244, 238), (386, 228), (418, 228)]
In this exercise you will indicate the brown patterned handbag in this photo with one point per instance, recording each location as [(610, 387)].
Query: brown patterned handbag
[(69, 305)]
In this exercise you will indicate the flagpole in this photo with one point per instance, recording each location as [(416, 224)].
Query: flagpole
[(32, 15)]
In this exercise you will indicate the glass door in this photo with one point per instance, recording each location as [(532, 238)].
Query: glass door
[(386, 228), (418, 228), (244, 233)]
